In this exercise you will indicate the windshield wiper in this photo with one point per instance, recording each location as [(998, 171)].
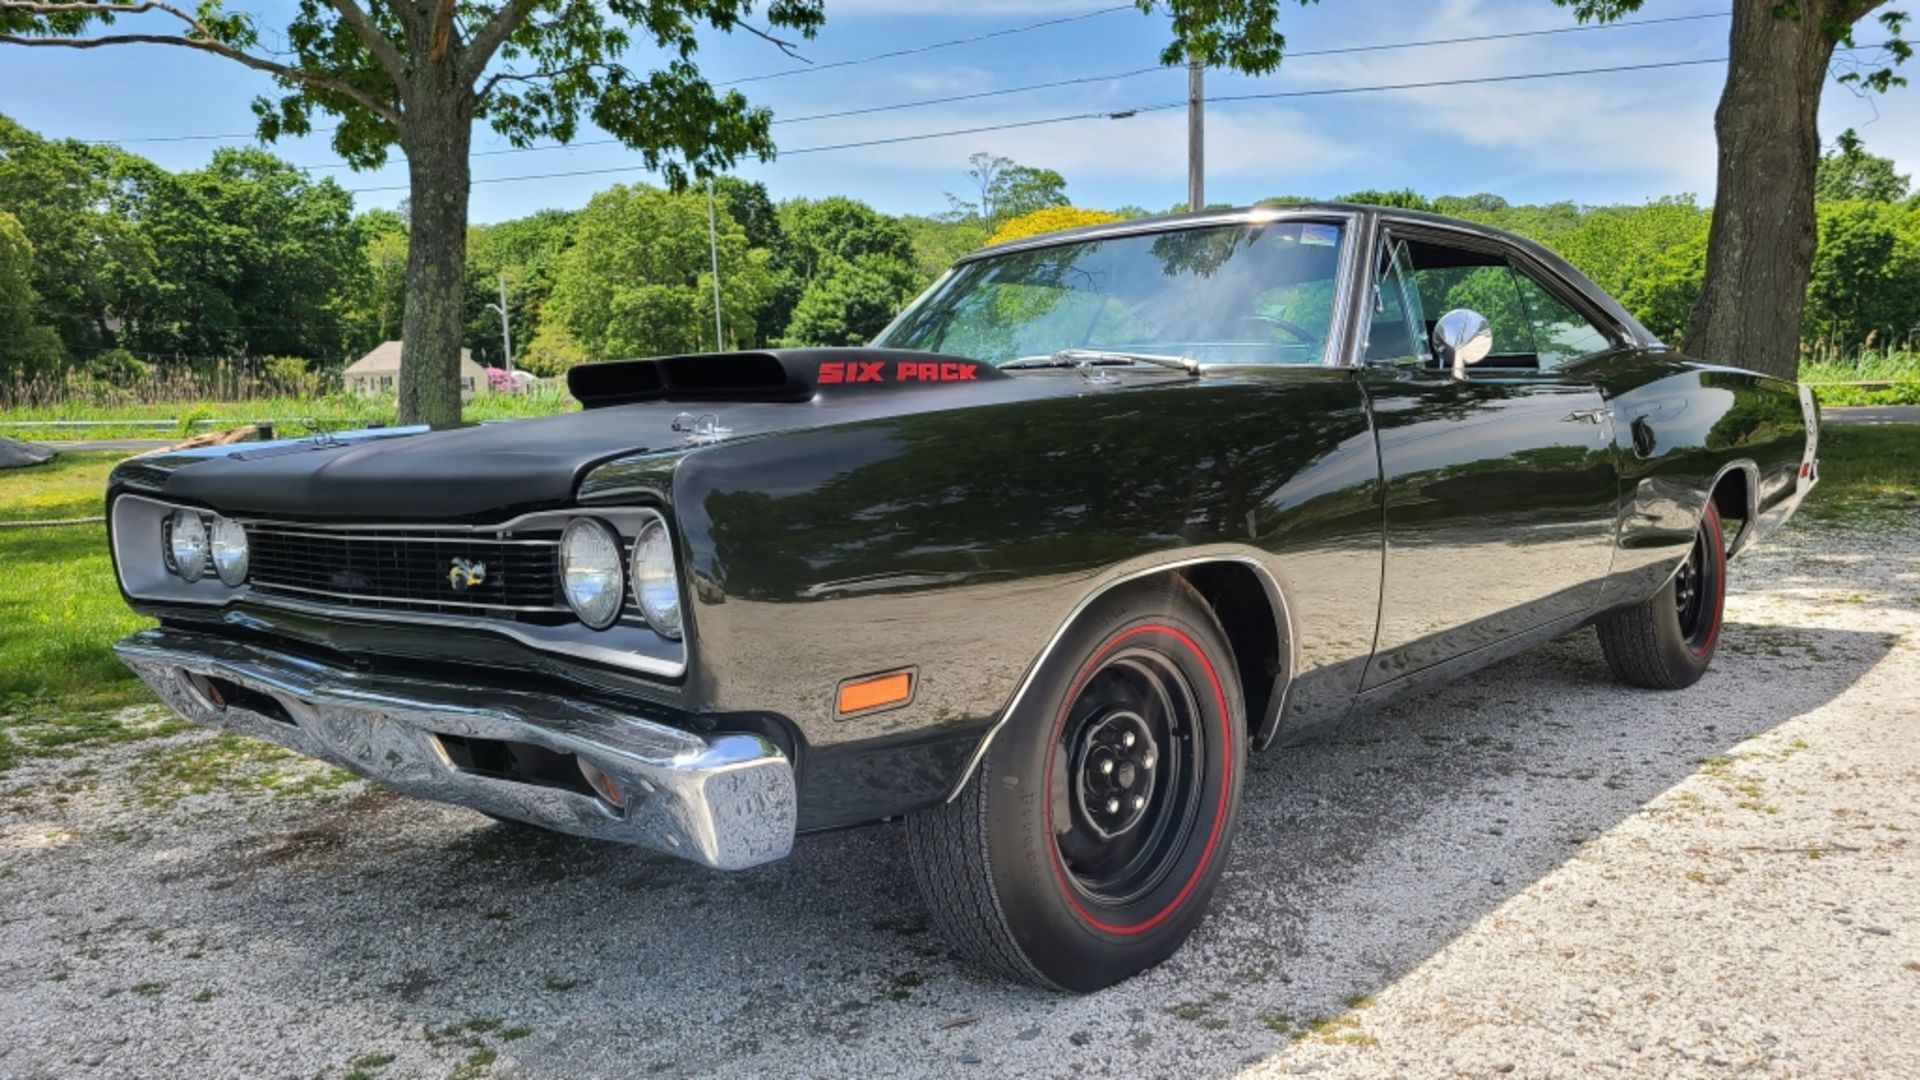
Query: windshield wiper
[(1089, 358)]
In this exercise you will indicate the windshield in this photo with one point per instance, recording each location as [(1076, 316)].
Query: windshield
[(1239, 294)]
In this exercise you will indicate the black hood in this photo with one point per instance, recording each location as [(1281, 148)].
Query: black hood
[(631, 408)]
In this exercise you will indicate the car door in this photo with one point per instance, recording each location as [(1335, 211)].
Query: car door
[(1500, 486)]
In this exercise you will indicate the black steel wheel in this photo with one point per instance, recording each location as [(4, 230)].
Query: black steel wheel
[(1093, 833), (1667, 641)]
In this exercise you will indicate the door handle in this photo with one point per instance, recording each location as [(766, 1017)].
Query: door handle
[(1588, 416)]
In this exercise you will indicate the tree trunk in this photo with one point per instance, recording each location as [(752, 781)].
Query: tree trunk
[(438, 138), (1761, 244)]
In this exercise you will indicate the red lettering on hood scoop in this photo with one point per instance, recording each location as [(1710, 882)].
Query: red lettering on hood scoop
[(791, 375)]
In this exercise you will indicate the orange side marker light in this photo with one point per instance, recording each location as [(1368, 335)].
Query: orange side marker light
[(881, 690)]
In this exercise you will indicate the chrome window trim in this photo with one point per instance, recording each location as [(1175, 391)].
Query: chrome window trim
[(1351, 222), (1274, 594), (545, 639), (1555, 283)]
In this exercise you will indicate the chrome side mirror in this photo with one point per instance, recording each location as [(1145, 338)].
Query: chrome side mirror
[(1462, 338)]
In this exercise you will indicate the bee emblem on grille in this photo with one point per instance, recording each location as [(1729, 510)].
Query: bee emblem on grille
[(466, 573)]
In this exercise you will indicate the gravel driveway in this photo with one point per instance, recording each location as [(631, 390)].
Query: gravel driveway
[(1534, 872)]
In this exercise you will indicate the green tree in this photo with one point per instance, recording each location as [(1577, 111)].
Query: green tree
[(1760, 247), (637, 280), (1849, 172), (1007, 189), (71, 202), (1403, 199), (374, 308), (527, 251), (251, 258), (937, 243), (418, 74), (1865, 284), (27, 347), (851, 300), (842, 228)]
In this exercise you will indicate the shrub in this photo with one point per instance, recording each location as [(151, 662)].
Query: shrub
[(1052, 219)]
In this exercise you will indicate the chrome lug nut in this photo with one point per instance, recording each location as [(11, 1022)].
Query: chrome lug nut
[(1147, 762), (1127, 739), (1113, 806), (1139, 802), (1106, 767)]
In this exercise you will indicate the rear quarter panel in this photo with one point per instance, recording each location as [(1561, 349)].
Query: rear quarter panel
[(1680, 427)]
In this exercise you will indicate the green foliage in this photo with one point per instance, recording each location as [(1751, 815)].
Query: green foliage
[(1404, 199), (1848, 172), (89, 253), (527, 251), (854, 267), (27, 347), (1240, 34), (377, 296), (117, 367), (1007, 189), (638, 282), (851, 300), (1866, 275), (255, 259)]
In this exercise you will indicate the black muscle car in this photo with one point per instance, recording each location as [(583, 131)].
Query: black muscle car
[(1097, 516)]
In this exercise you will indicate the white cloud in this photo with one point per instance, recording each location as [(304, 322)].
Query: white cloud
[(1655, 123)]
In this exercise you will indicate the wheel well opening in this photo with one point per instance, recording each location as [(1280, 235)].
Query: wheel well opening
[(1733, 497), (1240, 602)]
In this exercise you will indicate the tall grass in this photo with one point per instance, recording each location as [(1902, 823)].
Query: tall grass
[(1900, 367), (290, 414)]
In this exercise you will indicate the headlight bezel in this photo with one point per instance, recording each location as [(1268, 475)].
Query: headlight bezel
[(671, 622), (583, 526)]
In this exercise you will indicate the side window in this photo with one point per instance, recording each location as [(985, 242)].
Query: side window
[(1395, 307), (1560, 333), (1491, 291)]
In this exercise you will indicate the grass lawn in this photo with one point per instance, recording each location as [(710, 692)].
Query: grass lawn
[(1866, 472), (59, 610)]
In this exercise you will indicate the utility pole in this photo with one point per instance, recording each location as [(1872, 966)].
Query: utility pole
[(506, 331), (1196, 136), (713, 248)]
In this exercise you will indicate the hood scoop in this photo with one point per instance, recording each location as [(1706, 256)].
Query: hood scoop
[(780, 375)]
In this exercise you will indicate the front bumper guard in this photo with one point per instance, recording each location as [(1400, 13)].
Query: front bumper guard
[(727, 801)]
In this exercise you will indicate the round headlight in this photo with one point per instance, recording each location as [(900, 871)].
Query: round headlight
[(655, 585), (187, 544), (590, 572), (229, 551)]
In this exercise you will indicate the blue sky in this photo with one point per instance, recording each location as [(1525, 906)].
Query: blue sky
[(1622, 137)]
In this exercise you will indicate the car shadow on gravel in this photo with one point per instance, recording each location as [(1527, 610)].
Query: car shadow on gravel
[(1361, 852)]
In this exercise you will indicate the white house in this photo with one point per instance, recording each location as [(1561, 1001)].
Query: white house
[(378, 372)]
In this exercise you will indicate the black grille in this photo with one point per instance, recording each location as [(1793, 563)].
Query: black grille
[(408, 571)]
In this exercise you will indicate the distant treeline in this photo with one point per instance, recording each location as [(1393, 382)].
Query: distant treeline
[(110, 265)]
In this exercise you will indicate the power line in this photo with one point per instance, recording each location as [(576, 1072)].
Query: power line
[(1027, 88), (1122, 114), (915, 50)]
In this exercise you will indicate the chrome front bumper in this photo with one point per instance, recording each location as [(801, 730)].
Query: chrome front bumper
[(725, 802)]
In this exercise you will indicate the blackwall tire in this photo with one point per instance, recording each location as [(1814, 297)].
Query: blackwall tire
[(1668, 642), (1091, 838)]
